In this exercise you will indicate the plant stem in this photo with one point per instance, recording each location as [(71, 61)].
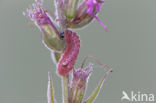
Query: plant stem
[(65, 88)]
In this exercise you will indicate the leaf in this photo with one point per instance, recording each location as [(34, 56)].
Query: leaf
[(50, 91), (97, 90)]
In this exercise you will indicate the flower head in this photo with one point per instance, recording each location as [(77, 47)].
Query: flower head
[(79, 82), (91, 4), (80, 76), (40, 17), (38, 14), (50, 34)]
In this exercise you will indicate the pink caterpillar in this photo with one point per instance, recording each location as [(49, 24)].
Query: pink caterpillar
[(67, 61)]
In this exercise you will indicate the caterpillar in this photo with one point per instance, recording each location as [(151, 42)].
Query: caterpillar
[(69, 56)]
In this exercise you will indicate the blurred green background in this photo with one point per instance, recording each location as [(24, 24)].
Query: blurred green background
[(129, 48)]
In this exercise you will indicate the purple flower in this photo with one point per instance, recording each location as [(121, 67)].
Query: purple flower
[(82, 73), (91, 4), (78, 87), (80, 81), (39, 15), (50, 31)]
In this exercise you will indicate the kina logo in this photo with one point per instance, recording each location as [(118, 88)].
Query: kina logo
[(138, 97), (125, 96)]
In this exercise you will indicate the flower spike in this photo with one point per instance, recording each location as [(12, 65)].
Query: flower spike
[(64, 45)]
